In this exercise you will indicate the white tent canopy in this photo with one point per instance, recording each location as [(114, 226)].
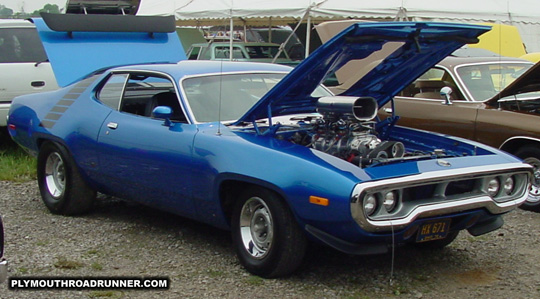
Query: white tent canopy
[(523, 14)]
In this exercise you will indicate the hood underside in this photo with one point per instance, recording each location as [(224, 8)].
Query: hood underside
[(528, 82), (78, 45), (414, 47)]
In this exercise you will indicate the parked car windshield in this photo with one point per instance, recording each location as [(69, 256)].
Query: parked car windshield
[(234, 93), (484, 81)]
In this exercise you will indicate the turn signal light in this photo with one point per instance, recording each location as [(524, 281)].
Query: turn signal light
[(319, 200)]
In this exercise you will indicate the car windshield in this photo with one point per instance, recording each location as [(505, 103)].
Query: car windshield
[(234, 93), (484, 81)]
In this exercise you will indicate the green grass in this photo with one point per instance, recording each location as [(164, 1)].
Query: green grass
[(96, 266), (15, 164), (64, 263), (254, 280)]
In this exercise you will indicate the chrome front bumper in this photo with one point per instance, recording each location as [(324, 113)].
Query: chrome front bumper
[(440, 204), (3, 270)]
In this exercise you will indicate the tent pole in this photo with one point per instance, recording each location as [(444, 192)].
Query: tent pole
[(245, 32), (231, 33), (308, 35), (270, 29)]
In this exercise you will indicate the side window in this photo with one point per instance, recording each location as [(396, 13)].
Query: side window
[(223, 52), (237, 53), (428, 86), (111, 93), (21, 45), (144, 92), (193, 53), (206, 53)]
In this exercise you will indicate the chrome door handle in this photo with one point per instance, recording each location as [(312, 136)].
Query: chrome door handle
[(112, 126)]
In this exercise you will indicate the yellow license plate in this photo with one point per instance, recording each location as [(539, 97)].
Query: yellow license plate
[(433, 230)]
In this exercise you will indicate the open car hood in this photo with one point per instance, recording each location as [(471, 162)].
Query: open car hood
[(527, 82), (413, 47), (78, 45)]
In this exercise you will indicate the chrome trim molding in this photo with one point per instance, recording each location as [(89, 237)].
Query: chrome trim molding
[(423, 210), (518, 137)]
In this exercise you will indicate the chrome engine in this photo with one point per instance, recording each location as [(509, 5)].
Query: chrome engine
[(346, 130)]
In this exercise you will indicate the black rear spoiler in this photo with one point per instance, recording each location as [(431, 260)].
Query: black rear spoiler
[(109, 23)]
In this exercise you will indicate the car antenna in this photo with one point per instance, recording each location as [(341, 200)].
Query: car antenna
[(220, 97), (220, 91), (391, 281)]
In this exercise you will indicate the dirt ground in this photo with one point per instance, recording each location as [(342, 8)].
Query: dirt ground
[(120, 239)]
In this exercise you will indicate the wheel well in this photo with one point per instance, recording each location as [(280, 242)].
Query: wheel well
[(40, 142), (512, 146), (231, 190)]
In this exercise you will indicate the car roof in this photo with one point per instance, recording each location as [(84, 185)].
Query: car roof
[(187, 68), (453, 61), (5, 23), (235, 44)]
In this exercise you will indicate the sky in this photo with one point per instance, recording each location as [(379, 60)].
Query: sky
[(30, 5)]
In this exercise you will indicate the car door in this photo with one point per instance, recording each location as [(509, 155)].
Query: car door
[(23, 66), (142, 158), (457, 119)]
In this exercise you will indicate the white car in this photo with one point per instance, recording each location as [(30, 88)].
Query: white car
[(24, 67)]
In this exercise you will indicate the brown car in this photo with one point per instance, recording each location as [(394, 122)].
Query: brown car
[(480, 99)]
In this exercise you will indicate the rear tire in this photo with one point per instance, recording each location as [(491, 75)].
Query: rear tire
[(61, 186), (531, 155), (267, 240)]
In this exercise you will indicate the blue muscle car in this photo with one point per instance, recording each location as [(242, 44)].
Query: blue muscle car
[(260, 149)]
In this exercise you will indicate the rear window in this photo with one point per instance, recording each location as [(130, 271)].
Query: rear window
[(20, 45)]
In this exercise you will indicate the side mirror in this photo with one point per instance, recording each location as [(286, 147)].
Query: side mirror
[(445, 95), (163, 112)]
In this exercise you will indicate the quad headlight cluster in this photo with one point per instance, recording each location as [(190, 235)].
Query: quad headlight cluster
[(386, 199), (500, 186)]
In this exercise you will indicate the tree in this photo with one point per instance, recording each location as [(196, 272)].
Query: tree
[(5, 12), (50, 8)]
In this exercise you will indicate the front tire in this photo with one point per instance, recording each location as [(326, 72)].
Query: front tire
[(267, 240), (531, 155), (61, 186)]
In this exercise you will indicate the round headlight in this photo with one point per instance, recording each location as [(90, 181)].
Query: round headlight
[(390, 199), (370, 204), (493, 187), (508, 185)]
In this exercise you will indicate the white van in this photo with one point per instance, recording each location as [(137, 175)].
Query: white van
[(24, 67)]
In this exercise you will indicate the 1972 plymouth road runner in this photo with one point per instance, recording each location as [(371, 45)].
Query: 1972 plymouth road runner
[(261, 149)]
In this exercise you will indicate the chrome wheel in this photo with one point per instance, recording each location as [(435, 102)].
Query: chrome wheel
[(62, 188), (256, 227), (267, 239), (534, 192), (55, 175)]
